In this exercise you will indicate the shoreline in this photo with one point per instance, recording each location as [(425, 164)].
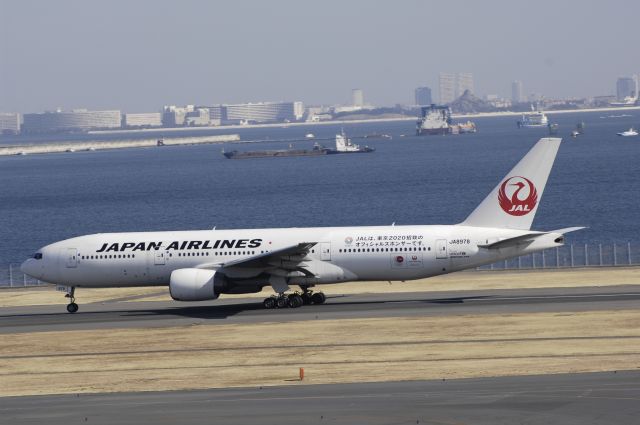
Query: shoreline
[(96, 145), (358, 121)]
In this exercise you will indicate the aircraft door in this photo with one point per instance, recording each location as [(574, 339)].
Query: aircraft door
[(441, 249), (72, 257), (159, 258), (325, 251)]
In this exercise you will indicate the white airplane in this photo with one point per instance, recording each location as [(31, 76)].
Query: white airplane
[(203, 264)]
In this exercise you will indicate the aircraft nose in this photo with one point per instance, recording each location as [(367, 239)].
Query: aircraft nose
[(28, 267)]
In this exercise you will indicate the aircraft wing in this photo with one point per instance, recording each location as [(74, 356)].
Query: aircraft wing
[(280, 261), (294, 253)]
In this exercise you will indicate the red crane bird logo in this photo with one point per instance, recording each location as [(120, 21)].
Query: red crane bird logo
[(513, 204)]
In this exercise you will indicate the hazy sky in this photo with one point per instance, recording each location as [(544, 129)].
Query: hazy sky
[(139, 55)]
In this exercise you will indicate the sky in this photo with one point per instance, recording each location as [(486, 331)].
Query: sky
[(137, 56)]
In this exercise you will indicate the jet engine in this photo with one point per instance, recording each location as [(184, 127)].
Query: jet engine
[(196, 284)]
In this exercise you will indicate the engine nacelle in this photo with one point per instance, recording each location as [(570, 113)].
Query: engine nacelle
[(196, 284)]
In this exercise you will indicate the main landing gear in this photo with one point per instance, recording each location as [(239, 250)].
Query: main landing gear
[(295, 300), (72, 307)]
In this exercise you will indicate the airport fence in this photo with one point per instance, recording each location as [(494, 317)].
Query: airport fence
[(574, 256), (12, 277), (567, 256)]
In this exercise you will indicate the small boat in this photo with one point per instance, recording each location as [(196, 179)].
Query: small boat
[(310, 136), (344, 145), (630, 132), (575, 133)]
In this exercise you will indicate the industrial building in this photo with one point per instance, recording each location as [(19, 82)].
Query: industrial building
[(9, 123), (76, 120)]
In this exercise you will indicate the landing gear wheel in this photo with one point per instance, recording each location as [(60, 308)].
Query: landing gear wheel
[(269, 302), (306, 298), (282, 302), (295, 301), (72, 307), (318, 298)]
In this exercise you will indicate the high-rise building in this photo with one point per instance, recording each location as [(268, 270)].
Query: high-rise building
[(453, 85), (9, 123), (517, 95), (626, 87), (447, 86), (464, 82), (423, 96), (357, 97), (76, 120)]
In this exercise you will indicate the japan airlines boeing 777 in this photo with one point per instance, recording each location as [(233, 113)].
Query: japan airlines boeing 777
[(202, 265)]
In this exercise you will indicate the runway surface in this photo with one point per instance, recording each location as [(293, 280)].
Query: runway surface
[(161, 314), (590, 398)]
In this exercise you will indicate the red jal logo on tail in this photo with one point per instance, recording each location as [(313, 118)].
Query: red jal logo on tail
[(517, 196)]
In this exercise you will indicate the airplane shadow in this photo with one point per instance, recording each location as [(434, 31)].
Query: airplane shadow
[(335, 303)]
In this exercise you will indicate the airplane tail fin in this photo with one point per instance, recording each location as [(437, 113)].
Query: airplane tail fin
[(514, 201)]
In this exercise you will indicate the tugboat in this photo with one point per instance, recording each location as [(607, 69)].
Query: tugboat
[(344, 145)]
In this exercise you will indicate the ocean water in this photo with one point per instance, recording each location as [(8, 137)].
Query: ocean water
[(595, 182)]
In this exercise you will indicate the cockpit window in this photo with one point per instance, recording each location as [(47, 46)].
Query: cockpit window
[(37, 256)]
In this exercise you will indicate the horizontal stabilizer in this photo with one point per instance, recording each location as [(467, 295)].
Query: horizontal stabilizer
[(566, 230), (503, 243)]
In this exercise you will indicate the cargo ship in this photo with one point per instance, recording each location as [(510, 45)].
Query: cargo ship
[(536, 118), (343, 145), (436, 120)]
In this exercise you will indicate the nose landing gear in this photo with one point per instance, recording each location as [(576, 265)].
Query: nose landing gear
[(72, 307)]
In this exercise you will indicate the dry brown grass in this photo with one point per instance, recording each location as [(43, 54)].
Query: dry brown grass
[(331, 351)]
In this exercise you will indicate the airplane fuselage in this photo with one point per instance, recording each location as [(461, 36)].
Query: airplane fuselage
[(340, 254)]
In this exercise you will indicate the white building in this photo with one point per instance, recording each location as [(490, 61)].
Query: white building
[(357, 98), (464, 82), (146, 119), (264, 112), (453, 85), (76, 120), (9, 123), (447, 86)]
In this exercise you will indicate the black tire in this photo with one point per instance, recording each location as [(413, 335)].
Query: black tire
[(306, 298), (318, 298), (282, 302), (72, 307), (269, 303), (295, 301)]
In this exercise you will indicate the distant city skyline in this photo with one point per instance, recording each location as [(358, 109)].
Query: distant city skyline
[(139, 56)]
